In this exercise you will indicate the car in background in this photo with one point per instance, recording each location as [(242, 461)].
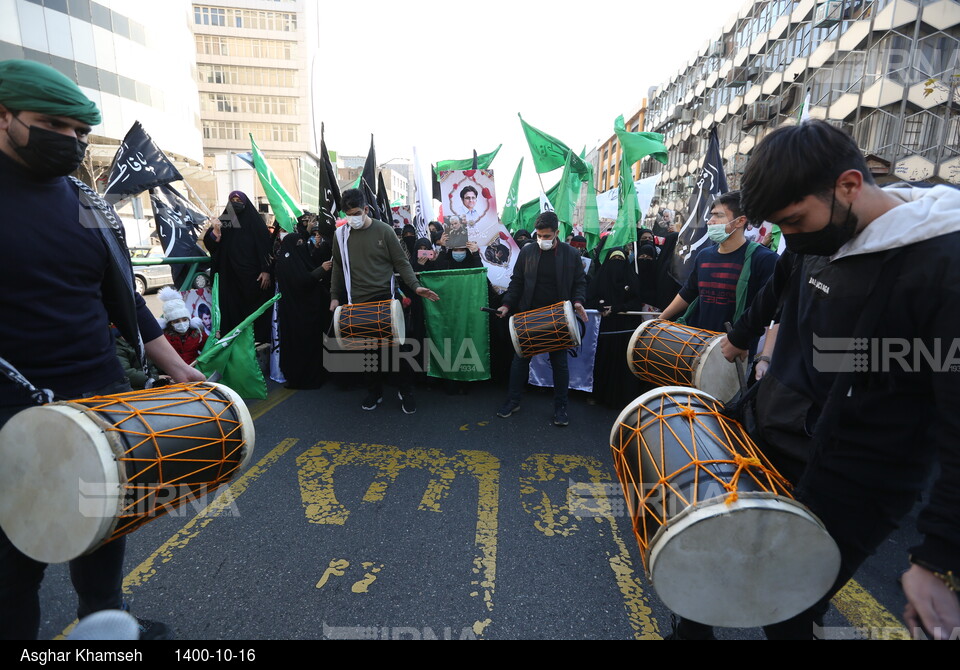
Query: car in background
[(148, 278)]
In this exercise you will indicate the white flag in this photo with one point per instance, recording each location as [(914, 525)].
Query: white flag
[(423, 206)]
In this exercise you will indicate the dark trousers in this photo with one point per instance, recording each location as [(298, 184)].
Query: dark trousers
[(520, 372), (97, 577)]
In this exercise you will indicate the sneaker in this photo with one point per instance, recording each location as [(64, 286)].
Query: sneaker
[(407, 402), (373, 399), (509, 407), (154, 630), (560, 415)]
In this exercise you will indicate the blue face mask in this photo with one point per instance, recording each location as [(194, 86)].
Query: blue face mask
[(459, 256)]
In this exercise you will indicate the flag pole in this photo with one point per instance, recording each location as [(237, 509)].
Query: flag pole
[(198, 199)]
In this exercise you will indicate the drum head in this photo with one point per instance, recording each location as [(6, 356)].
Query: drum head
[(573, 324), (336, 326), (59, 483), (715, 374), (397, 322), (757, 561), (246, 422), (514, 338)]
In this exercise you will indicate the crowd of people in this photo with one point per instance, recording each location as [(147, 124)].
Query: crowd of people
[(862, 263)]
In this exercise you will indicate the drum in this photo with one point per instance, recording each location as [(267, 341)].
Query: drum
[(668, 353), (543, 330), (722, 540), (75, 475), (369, 325)]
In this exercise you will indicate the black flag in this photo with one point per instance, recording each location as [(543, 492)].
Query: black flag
[(693, 235), (368, 183), (329, 189), (383, 201), (139, 165), (177, 226), (435, 186)]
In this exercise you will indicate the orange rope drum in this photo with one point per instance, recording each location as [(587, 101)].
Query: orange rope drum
[(543, 330), (369, 325), (722, 540), (75, 475), (664, 352)]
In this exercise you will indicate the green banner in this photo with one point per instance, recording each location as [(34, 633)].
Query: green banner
[(483, 162), (458, 333), (284, 208)]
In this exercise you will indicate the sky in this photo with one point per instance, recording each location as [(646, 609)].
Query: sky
[(450, 77)]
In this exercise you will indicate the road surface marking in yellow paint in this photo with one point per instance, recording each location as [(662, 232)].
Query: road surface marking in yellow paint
[(368, 579), (863, 612), (560, 519), (336, 568), (318, 464)]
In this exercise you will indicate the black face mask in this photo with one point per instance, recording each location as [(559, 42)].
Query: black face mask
[(826, 241), (49, 154), (435, 237), (238, 206)]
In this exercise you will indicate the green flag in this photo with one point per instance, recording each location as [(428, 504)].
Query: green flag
[(529, 211), (511, 209), (549, 153), (458, 333), (284, 208), (591, 215), (483, 162), (235, 356), (625, 230), (637, 145), (565, 202)]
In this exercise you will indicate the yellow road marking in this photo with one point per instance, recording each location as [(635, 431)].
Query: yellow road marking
[(863, 611), (561, 519), (316, 467)]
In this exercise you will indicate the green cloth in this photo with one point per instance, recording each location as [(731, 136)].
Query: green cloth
[(483, 162), (637, 145), (549, 153), (234, 356), (284, 208), (458, 333), (531, 210), (565, 202), (511, 209), (591, 214), (34, 87), (628, 213)]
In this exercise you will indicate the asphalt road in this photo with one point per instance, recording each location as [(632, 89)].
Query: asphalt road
[(448, 523)]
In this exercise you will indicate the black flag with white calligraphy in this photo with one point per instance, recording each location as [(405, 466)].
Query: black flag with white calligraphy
[(139, 165), (693, 235), (177, 226), (329, 189), (368, 184)]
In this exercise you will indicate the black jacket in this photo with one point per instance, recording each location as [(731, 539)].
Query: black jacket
[(571, 280)]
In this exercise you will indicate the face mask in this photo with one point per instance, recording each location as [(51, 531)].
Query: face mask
[(545, 245), (49, 154), (459, 256), (717, 232), (826, 241), (355, 222), (182, 327), (238, 207), (434, 237)]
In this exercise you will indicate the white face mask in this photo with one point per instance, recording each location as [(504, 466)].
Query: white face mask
[(181, 327), (717, 232), (355, 222), (545, 245)]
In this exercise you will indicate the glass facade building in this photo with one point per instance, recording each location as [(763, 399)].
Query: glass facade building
[(886, 71)]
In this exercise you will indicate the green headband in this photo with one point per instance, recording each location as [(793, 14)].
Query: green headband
[(34, 87)]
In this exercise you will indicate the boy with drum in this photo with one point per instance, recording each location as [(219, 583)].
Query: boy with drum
[(546, 273)]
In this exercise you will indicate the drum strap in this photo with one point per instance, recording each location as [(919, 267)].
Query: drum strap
[(39, 396), (344, 238)]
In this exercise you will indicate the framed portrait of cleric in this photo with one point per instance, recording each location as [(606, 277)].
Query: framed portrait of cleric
[(469, 206)]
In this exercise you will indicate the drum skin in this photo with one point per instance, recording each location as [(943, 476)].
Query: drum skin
[(722, 540), (540, 331), (668, 353), (75, 475)]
